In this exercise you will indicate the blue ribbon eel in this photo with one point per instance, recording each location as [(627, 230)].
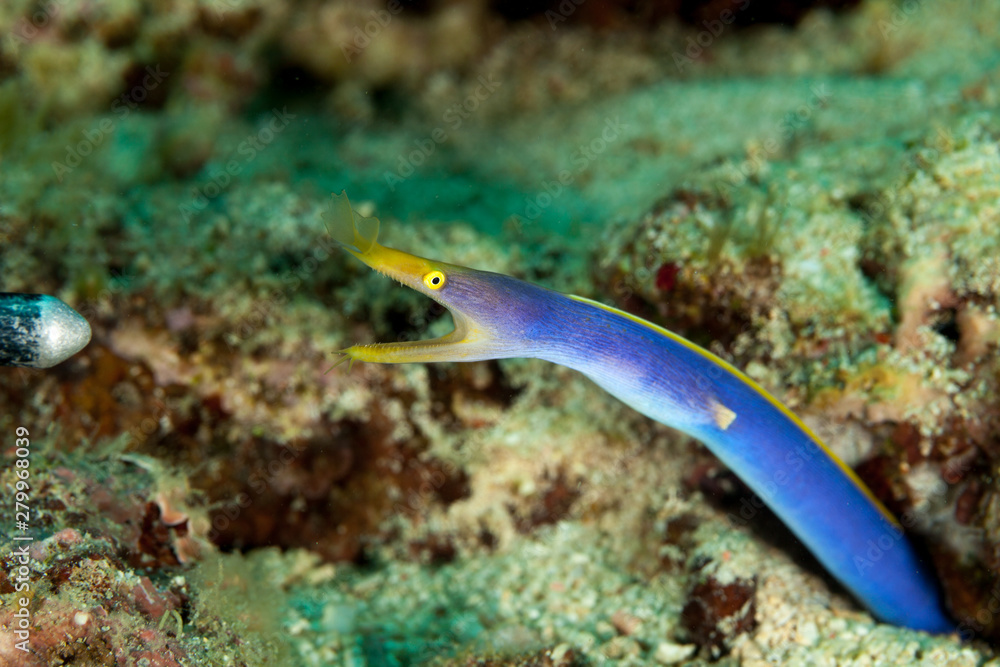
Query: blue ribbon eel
[(679, 384)]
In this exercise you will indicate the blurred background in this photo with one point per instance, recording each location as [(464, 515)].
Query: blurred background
[(808, 189)]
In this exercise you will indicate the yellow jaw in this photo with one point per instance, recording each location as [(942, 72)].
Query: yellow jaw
[(359, 236)]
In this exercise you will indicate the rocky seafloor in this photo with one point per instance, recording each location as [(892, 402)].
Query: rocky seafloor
[(809, 192)]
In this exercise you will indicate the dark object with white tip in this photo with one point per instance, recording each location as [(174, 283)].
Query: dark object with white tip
[(39, 331)]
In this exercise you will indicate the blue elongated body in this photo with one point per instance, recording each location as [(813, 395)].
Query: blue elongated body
[(681, 385), (813, 492)]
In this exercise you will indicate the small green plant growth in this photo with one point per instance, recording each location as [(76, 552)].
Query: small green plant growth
[(766, 224), (720, 232)]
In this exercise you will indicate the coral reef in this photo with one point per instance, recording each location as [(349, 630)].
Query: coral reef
[(886, 318), (203, 492), (104, 586)]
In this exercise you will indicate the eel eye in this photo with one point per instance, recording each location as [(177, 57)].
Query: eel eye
[(434, 280)]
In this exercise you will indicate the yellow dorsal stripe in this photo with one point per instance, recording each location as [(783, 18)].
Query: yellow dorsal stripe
[(757, 388)]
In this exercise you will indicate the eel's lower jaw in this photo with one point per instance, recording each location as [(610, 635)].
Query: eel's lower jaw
[(466, 342), (462, 344), (408, 352)]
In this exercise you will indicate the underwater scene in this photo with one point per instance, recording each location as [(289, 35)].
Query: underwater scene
[(476, 333)]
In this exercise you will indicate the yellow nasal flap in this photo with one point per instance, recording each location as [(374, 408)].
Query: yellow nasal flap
[(349, 228)]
